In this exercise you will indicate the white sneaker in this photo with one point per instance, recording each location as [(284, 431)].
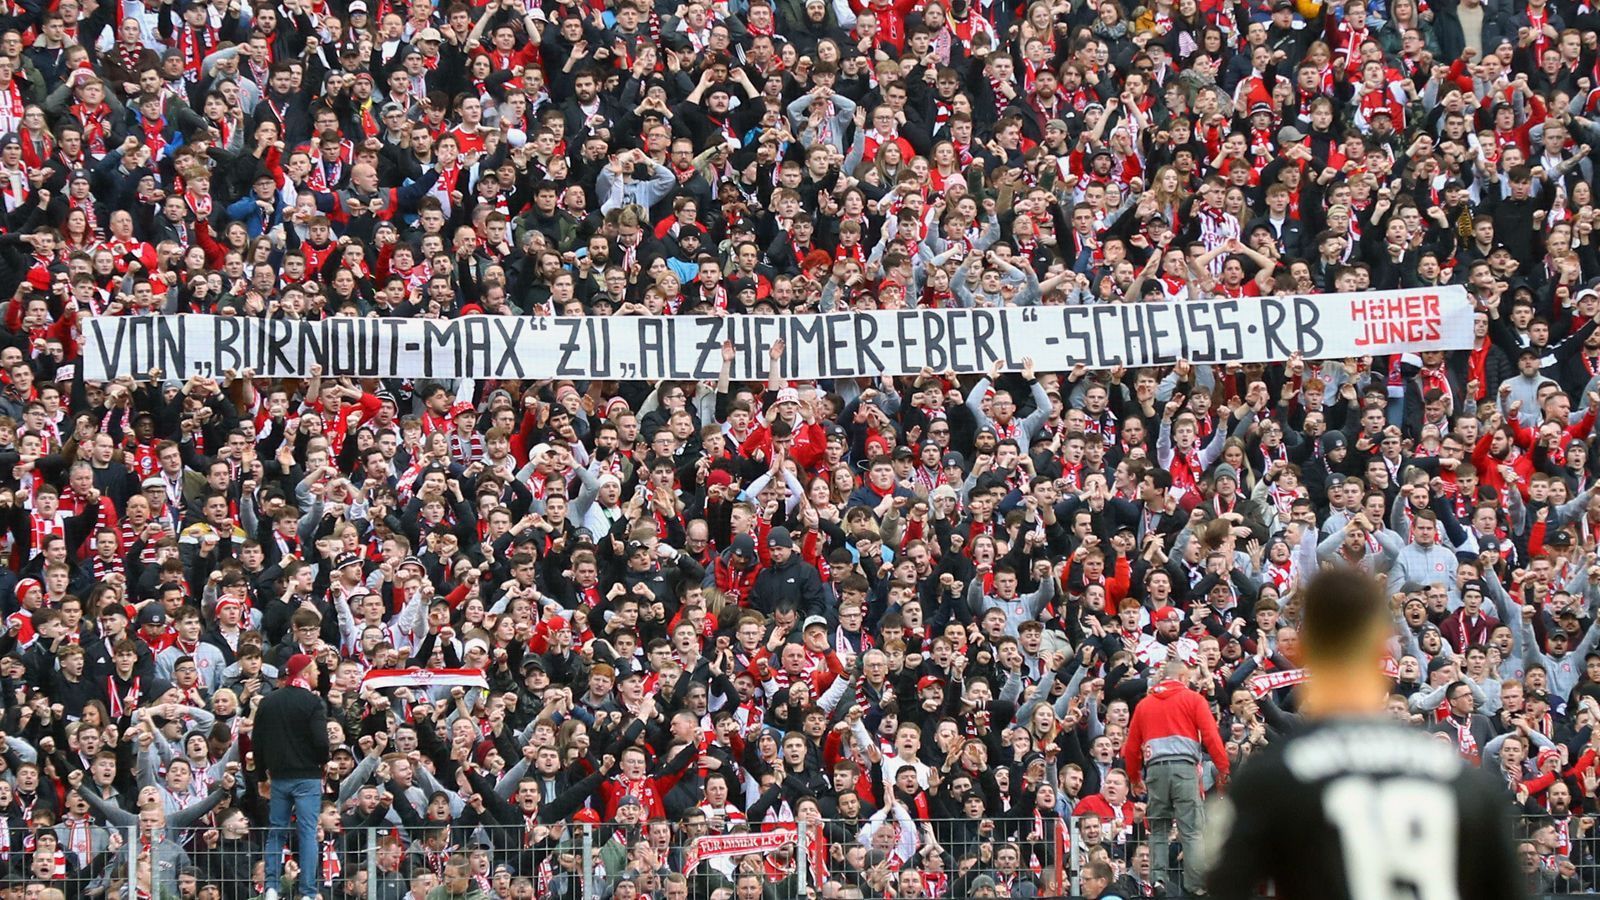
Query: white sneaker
[(271, 894)]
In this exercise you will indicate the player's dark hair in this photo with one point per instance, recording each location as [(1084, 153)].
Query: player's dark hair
[(1342, 608), (1100, 871)]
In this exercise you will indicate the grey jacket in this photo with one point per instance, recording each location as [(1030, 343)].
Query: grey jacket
[(1430, 565), (167, 855), (1019, 609), (844, 109), (616, 193), (1029, 426)]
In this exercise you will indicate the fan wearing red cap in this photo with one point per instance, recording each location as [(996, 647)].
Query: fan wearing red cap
[(788, 430), (30, 594), (301, 672), (466, 441), (1171, 640), (291, 744)]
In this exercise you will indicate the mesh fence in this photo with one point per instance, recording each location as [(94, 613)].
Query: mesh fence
[(392, 861), (692, 858)]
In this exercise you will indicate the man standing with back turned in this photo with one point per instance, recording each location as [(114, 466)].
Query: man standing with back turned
[(1172, 729), (1355, 805), (291, 743)]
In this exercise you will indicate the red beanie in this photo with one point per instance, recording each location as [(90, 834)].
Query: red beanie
[(296, 664)]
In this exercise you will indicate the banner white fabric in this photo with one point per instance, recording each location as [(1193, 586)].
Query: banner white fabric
[(379, 679), (835, 345)]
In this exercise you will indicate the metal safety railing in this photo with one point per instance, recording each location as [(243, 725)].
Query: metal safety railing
[(1558, 854), (1014, 853), (375, 856), (229, 860)]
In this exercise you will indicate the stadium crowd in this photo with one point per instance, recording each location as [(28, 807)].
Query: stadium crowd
[(923, 619)]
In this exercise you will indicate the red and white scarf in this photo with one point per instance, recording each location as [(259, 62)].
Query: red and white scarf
[(194, 44), (121, 704), (11, 107)]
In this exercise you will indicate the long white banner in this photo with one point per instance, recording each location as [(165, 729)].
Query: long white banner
[(836, 345)]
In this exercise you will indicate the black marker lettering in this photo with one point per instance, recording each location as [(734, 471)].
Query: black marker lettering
[(446, 340), (649, 341), (1273, 315), (569, 347), (280, 365), (1075, 326), (959, 336), (806, 337), (982, 330), (174, 345), (118, 327), (1029, 314), (905, 323), (1306, 316), (866, 331), (1101, 356), (836, 368), (933, 332), (510, 328), (711, 343)]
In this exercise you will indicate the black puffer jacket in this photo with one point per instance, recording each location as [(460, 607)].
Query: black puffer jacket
[(291, 733)]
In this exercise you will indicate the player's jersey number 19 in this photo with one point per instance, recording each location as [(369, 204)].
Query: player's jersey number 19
[(1398, 836)]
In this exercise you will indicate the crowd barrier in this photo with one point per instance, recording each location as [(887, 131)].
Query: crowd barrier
[(948, 858)]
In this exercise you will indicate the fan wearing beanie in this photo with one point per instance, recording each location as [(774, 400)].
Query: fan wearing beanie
[(291, 744)]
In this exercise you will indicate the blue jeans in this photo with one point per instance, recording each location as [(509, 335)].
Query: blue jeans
[(303, 798)]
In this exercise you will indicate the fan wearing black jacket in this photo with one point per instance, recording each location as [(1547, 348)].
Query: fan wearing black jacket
[(291, 743)]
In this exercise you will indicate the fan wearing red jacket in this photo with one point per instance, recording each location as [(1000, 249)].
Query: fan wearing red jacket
[(791, 427), (891, 18), (797, 663), (34, 319), (634, 781), (1111, 805), (1171, 731), (337, 418)]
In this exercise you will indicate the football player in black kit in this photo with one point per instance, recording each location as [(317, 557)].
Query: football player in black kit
[(1354, 805)]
